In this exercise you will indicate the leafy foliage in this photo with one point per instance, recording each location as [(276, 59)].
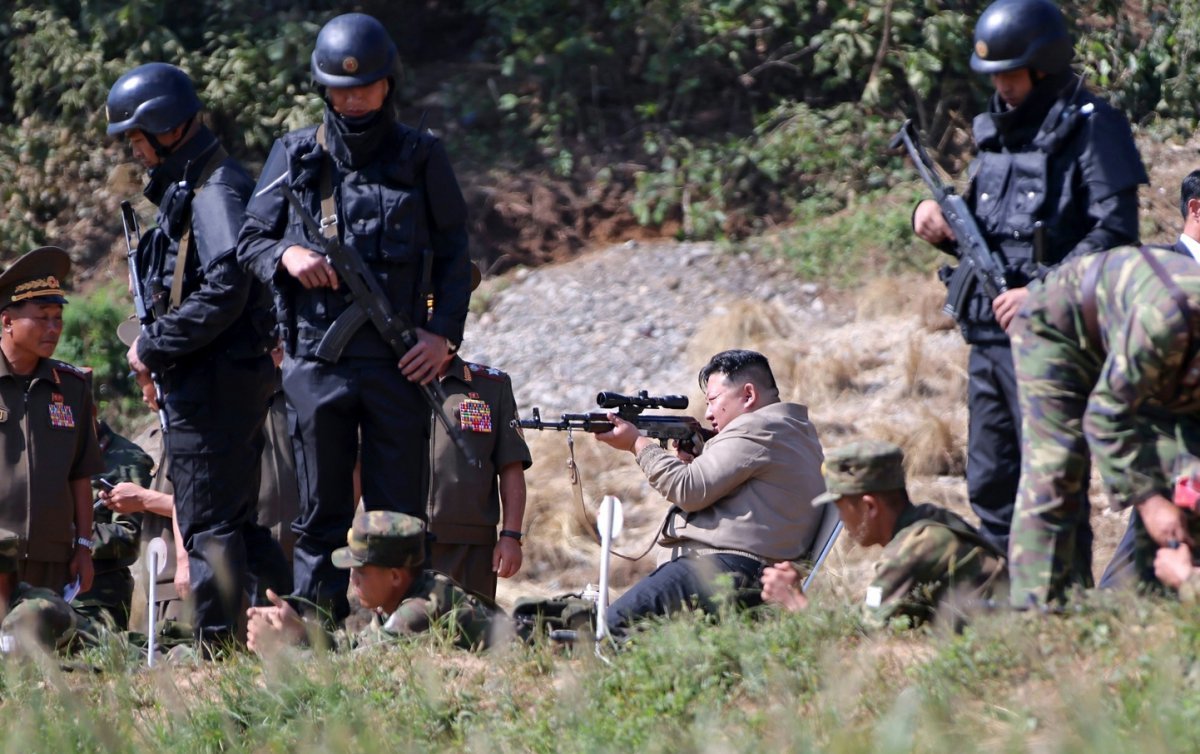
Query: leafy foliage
[(735, 112)]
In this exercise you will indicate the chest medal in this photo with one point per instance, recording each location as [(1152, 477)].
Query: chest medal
[(60, 413), (474, 415)]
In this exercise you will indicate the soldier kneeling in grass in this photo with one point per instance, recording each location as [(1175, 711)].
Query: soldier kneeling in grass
[(931, 556), (385, 555)]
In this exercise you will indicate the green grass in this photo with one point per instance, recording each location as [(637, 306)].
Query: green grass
[(869, 238), (1117, 674)]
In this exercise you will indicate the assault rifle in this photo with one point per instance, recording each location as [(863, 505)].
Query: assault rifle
[(976, 260), (158, 294), (688, 433), (368, 302)]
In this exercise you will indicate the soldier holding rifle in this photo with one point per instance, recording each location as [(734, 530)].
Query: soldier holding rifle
[(1056, 178), (209, 336), (386, 195)]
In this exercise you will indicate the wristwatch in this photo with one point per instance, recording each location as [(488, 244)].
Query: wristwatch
[(511, 533), (84, 542)]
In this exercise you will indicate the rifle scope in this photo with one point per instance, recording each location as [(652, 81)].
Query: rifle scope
[(641, 400)]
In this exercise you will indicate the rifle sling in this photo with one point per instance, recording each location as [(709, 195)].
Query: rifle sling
[(581, 513), (185, 243), (328, 219)]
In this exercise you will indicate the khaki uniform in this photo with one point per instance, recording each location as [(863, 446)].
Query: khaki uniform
[(48, 439), (464, 500)]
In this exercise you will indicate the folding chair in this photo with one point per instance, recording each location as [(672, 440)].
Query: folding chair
[(828, 530)]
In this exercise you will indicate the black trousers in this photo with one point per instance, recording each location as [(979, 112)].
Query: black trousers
[(994, 452), (688, 581), (328, 406), (216, 411)]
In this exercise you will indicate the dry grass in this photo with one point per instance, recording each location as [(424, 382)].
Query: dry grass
[(890, 371)]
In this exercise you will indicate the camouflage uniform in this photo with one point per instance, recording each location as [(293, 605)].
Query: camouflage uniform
[(116, 535), (34, 613), (433, 601), (934, 556), (1129, 392)]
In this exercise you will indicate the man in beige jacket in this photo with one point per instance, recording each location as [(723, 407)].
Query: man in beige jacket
[(740, 505)]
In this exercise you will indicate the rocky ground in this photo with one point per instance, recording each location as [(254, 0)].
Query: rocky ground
[(619, 319)]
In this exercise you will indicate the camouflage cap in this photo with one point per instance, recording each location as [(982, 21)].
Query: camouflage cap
[(37, 275), (10, 547), (867, 466), (383, 538)]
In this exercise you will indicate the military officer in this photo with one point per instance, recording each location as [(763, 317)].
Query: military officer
[(467, 502), (47, 435), (388, 192)]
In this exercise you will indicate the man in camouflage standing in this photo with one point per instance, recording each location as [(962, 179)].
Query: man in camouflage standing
[(931, 556), (1106, 361)]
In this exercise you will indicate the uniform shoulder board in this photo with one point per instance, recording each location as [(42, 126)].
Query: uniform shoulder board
[(62, 367), (483, 370)]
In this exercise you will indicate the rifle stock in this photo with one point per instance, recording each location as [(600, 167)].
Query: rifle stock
[(979, 261), (366, 295)]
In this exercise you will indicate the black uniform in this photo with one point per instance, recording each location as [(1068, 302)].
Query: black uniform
[(213, 354), (399, 206), (1066, 159)]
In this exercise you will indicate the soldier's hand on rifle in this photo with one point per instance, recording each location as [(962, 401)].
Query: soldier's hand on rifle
[(930, 225), (309, 267), (422, 362), (1172, 566), (683, 451), (1007, 305), (623, 435), (781, 586), (135, 361), (1165, 522)]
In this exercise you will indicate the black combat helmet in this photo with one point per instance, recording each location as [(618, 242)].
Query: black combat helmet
[(352, 50), (153, 98), (1014, 34)]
